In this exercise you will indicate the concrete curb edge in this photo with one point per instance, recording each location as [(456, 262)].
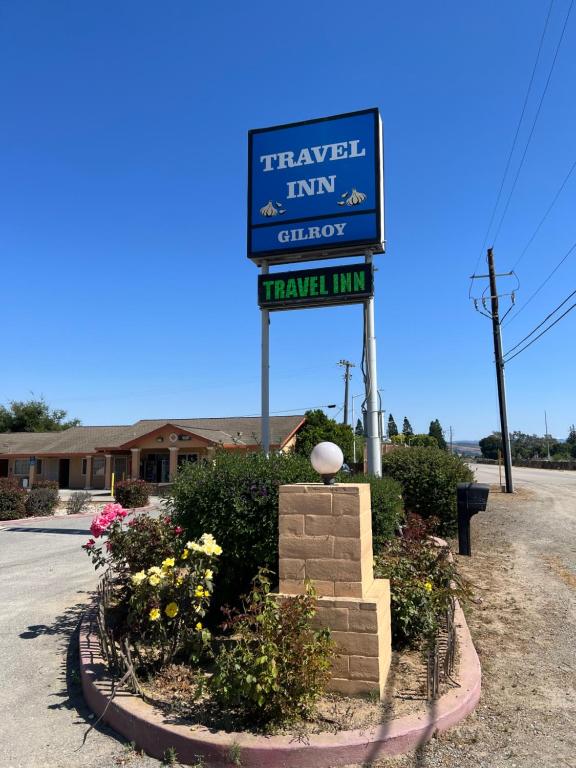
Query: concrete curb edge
[(154, 733)]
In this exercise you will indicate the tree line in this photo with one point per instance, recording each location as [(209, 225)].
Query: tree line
[(524, 446)]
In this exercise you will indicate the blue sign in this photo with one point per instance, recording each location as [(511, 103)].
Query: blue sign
[(315, 189)]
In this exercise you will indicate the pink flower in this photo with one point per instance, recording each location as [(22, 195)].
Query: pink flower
[(109, 514), (178, 530), (89, 544)]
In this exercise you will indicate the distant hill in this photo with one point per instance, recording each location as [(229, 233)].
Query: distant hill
[(467, 447)]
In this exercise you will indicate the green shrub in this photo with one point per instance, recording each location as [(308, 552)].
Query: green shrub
[(387, 505), (39, 483), (132, 493), (235, 497), (12, 499), (428, 477), (77, 502), (41, 501), (275, 666), (423, 582)]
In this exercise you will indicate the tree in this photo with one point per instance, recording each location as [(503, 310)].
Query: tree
[(423, 441), (359, 429), (437, 432), (392, 428), (33, 416), (571, 435), (491, 445), (319, 428), (407, 430)]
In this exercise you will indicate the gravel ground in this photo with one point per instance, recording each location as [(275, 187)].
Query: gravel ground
[(523, 623)]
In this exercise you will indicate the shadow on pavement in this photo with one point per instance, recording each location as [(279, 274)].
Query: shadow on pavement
[(70, 697), (28, 529)]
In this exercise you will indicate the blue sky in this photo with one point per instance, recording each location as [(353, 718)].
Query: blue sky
[(125, 291)]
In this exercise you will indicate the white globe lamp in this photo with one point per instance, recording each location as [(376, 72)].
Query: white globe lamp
[(327, 458)]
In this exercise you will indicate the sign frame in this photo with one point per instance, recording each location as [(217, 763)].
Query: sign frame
[(327, 299), (301, 253)]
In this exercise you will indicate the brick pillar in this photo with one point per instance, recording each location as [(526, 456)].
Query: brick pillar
[(173, 461), (31, 474), (135, 473), (88, 478), (326, 537)]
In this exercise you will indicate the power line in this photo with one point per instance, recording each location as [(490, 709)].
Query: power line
[(532, 332), (543, 332), (543, 219), (548, 79), (515, 135), (543, 283)]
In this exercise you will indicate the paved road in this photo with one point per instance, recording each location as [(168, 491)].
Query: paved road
[(45, 583), (525, 477)]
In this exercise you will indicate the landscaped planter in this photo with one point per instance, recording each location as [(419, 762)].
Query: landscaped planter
[(156, 732)]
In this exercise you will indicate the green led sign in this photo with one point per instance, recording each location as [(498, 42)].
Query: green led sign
[(315, 287)]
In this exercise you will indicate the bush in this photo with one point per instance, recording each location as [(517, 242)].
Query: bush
[(12, 499), (162, 583), (387, 505), (39, 483), (41, 501), (276, 666), (77, 502), (236, 498), (423, 582), (132, 493), (428, 477)]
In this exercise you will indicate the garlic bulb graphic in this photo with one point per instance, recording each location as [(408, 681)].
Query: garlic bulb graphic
[(354, 198), (270, 210)]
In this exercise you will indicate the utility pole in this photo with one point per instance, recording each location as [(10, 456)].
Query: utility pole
[(347, 376), (499, 361), (547, 438)]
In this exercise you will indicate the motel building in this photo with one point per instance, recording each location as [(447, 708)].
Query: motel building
[(151, 449)]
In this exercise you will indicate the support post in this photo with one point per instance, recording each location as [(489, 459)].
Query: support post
[(108, 471), (265, 376), (88, 476), (173, 469), (500, 374), (135, 473), (373, 445)]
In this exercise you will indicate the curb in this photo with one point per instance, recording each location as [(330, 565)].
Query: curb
[(23, 520), (154, 732)]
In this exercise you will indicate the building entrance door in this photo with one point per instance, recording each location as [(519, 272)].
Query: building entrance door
[(64, 473), (3, 467), (156, 468)]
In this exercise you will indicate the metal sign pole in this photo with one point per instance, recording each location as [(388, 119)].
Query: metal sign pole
[(265, 375), (373, 446)]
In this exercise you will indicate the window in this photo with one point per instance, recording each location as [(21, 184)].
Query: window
[(21, 466), (185, 457), (84, 466), (98, 466)]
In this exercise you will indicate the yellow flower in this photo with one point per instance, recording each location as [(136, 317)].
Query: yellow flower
[(168, 563), (428, 586), (198, 626), (138, 578), (171, 610), (208, 574), (199, 591), (155, 569), (193, 546), (184, 554), (179, 581), (154, 580), (154, 614)]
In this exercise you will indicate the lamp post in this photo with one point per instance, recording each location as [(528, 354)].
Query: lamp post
[(327, 458)]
